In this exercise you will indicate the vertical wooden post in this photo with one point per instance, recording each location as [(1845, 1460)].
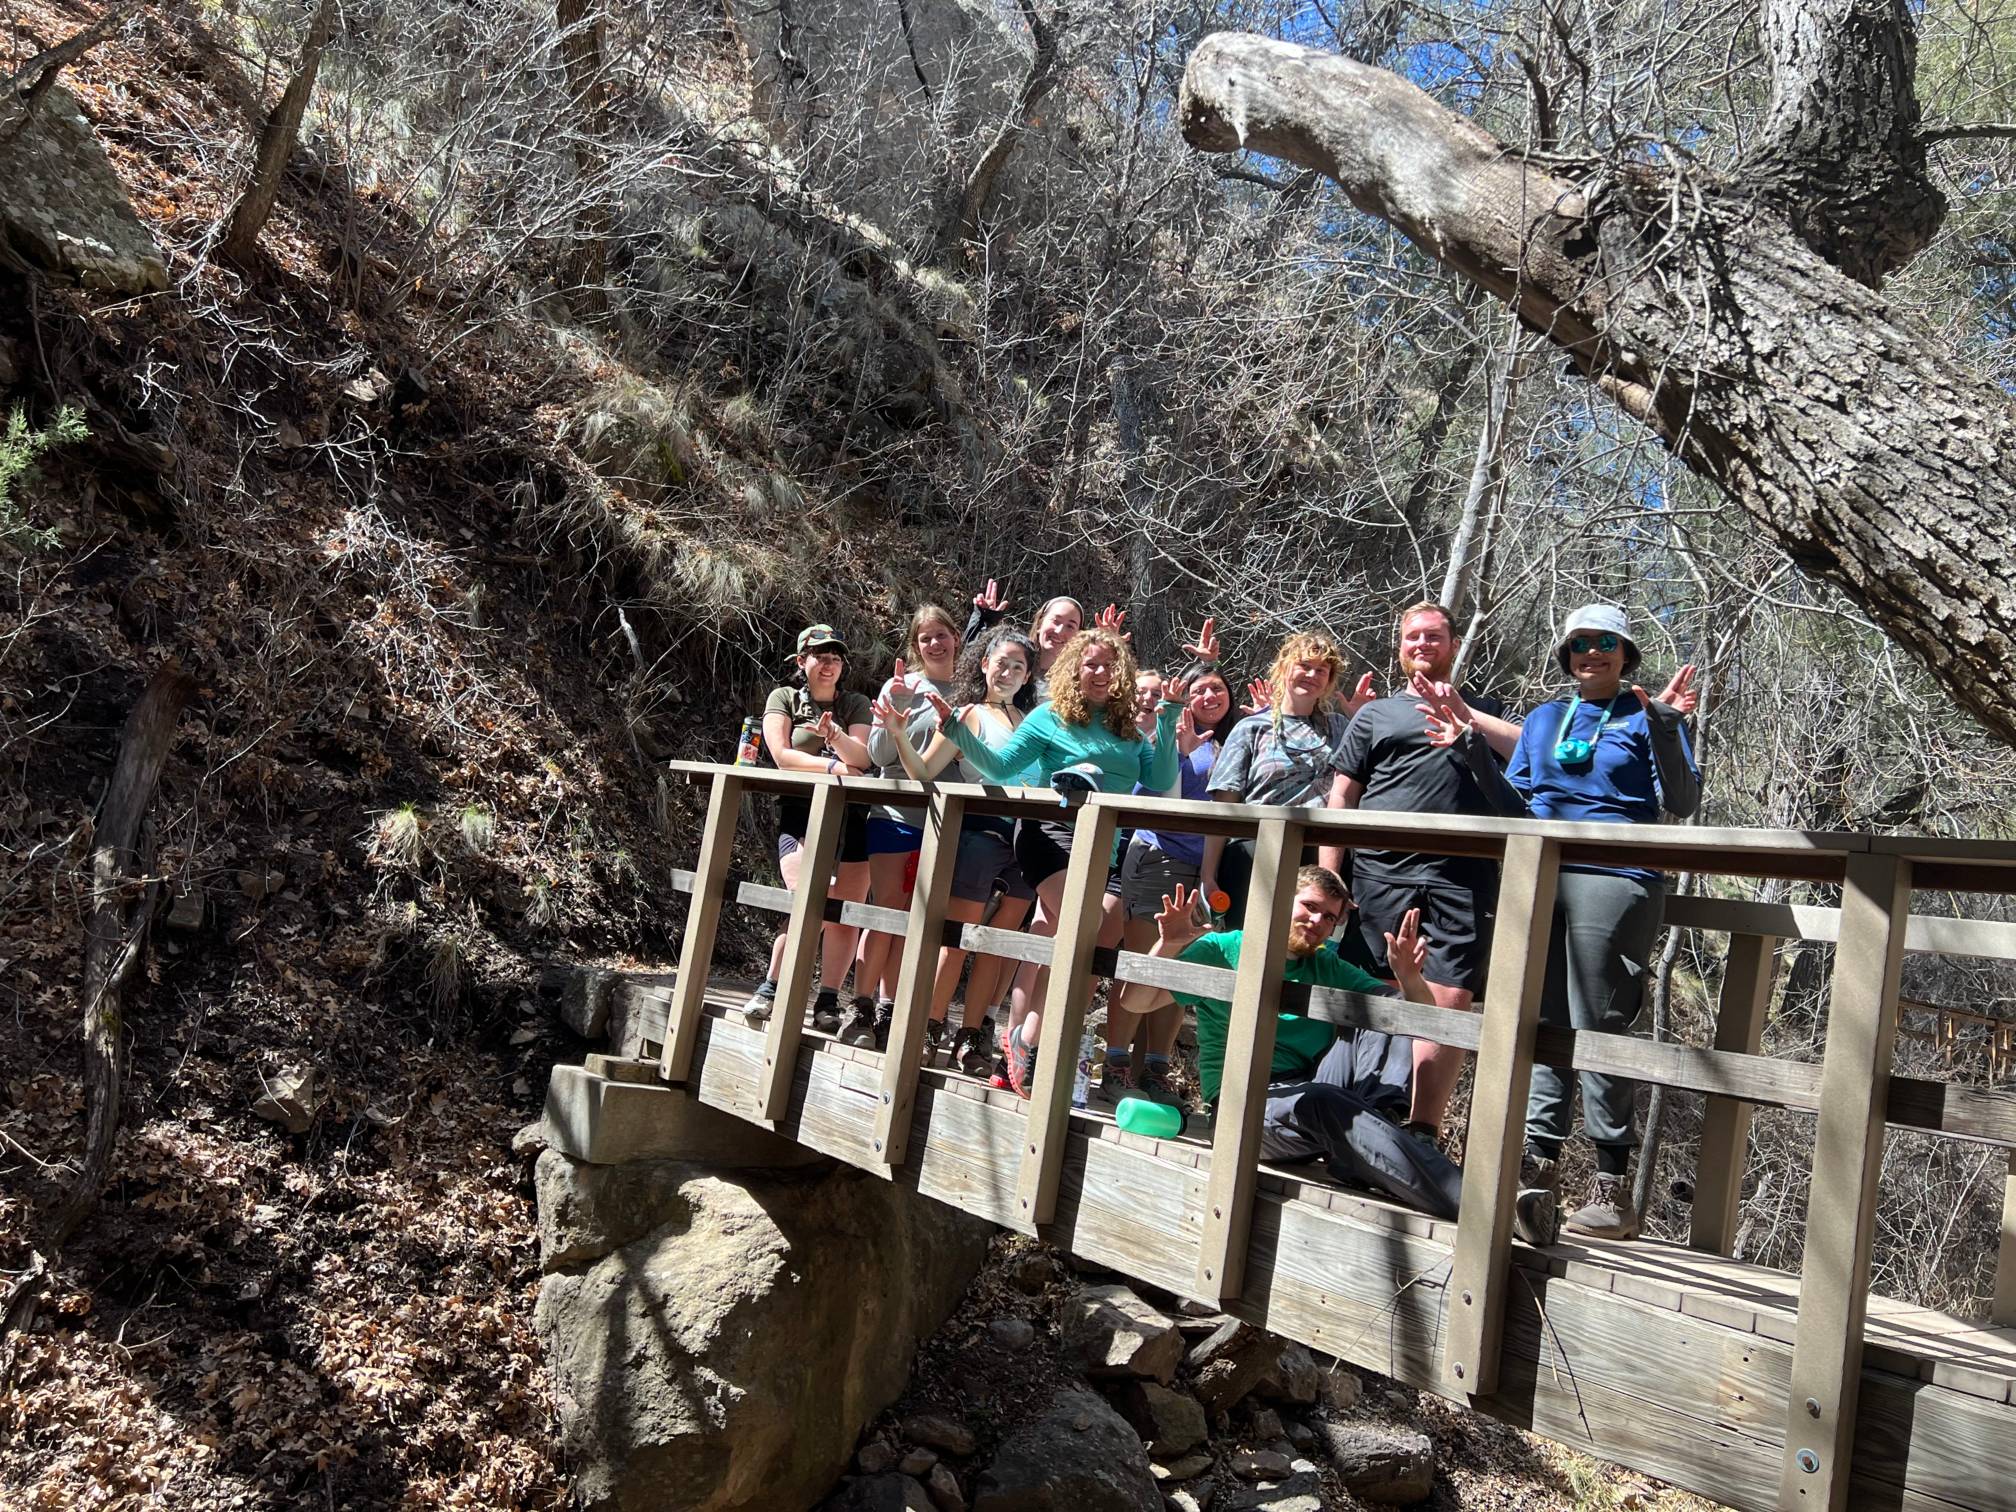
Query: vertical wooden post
[(801, 950), (703, 919), (1064, 1015), (1504, 1072), (937, 860), (1725, 1125), (1841, 1206), (2003, 1312), (1249, 1054)]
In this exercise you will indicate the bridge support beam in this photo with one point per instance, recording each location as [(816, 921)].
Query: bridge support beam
[(703, 920), (1841, 1207), (1479, 1268), (1249, 1054), (1725, 1125), (918, 976), (801, 951)]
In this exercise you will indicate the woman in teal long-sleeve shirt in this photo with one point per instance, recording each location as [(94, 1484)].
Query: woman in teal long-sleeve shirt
[(1086, 729)]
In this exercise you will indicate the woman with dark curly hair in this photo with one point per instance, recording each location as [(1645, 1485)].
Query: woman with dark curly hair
[(1085, 736), (994, 684)]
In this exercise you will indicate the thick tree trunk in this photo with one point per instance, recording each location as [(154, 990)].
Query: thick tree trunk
[(276, 143), (962, 225), (1843, 428)]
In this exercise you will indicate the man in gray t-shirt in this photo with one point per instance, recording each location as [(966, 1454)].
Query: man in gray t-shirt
[(1387, 763)]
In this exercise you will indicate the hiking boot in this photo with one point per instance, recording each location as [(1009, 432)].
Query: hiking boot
[(1608, 1213), (826, 1013), (885, 1015), (934, 1035), (761, 1003), (1536, 1210), (969, 1051), (860, 1029), (1152, 1082)]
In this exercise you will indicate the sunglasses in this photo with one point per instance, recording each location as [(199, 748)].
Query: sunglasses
[(1582, 645)]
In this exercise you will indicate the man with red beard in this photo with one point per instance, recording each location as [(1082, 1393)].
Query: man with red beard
[(1333, 1093), (1387, 763)]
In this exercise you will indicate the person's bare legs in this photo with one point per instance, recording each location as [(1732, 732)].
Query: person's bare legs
[(952, 958), (1025, 1014), (881, 954), (836, 941), (990, 970), (1138, 935), (1436, 1067)]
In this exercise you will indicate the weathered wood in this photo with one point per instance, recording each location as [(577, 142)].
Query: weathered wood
[(1847, 1159), (1725, 1124), (802, 940), (1064, 1015), (937, 856), (1924, 934), (707, 884), (2003, 1309), (1498, 1114), (1249, 1052)]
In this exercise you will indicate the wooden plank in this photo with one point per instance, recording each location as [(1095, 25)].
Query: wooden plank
[(1498, 1114), (1064, 1015), (703, 920), (801, 948), (2003, 1309), (1249, 1053), (1847, 1158), (1725, 1124), (937, 857), (1924, 934)]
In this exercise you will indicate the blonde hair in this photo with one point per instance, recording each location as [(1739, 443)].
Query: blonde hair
[(925, 614), (1036, 625), (1068, 698), (1304, 645), (1428, 606)]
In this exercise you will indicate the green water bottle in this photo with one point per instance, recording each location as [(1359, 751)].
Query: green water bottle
[(1156, 1120)]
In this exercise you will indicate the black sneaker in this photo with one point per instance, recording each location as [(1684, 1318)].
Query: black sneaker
[(826, 1013), (969, 1051), (934, 1034), (885, 1015), (860, 1028)]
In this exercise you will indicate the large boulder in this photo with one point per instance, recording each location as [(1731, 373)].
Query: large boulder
[(1079, 1456), (718, 1341), (1391, 1466), (1114, 1333), (64, 208)]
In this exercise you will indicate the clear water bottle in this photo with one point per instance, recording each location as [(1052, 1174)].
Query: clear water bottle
[(1081, 1084)]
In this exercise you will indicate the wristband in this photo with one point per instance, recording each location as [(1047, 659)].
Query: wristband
[(832, 766)]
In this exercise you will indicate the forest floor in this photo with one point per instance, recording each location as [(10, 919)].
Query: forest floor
[(412, 773)]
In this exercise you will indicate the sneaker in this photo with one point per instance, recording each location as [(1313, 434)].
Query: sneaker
[(969, 1051), (760, 1003), (1021, 1065), (1152, 1082), (860, 1028), (998, 1077), (885, 1015), (826, 1013), (1115, 1081), (934, 1035), (1536, 1210), (1608, 1213)]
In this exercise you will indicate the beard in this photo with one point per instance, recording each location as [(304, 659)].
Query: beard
[(1306, 940), (1435, 671)]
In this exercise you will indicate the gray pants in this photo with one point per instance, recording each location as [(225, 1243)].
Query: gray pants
[(1604, 928), (1350, 1112)]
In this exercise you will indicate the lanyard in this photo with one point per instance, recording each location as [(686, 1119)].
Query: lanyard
[(1575, 752)]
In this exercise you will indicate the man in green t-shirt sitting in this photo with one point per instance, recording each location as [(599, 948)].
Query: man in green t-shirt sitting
[(1334, 1093)]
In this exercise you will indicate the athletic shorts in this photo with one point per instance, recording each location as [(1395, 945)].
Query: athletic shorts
[(1455, 922), (892, 837), (794, 818), (1148, 874), (1042, 849), (987, 855)]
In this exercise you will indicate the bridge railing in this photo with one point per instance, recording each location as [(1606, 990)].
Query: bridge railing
[(1851, 1091)]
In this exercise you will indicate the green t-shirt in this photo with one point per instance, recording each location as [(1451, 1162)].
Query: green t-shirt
[(1299, 1043), (803, 710)]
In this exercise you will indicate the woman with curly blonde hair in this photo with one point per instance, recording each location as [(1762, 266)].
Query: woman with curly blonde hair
[(1286, 754), (1085, 738)]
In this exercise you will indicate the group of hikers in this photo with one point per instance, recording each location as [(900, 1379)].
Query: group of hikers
[(1066, 704)]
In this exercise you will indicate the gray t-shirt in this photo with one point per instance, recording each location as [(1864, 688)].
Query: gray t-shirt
[(1386, 751), (1292, 767), (921, 724)]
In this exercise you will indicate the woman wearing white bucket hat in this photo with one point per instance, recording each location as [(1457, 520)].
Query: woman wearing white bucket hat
[(1607, 753)]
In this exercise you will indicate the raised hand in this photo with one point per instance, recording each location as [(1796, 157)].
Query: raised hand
[(1361, 695), (944, 710), (887, 714), (1111, 619), (825, 728), (901, 694), (1406, 951), (1174, 691), (991, 600), (1443, 731), (1678, 695), (1177, 923), (1260, 696), (1187, 738), (1205, 647)]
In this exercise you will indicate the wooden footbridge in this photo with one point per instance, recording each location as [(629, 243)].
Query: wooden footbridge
[(1749, 1385)]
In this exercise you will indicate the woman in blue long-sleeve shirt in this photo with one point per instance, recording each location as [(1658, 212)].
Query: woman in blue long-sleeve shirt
[(1606, 754)]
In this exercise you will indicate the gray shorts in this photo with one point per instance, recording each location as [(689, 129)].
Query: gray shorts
[(1147, 875), (987, 855)]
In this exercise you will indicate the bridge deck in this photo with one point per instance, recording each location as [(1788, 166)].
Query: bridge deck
[(1651, 1354)]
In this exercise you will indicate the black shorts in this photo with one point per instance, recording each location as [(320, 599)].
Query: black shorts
[(1042, 849), (794, 818), (1455, 921)]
